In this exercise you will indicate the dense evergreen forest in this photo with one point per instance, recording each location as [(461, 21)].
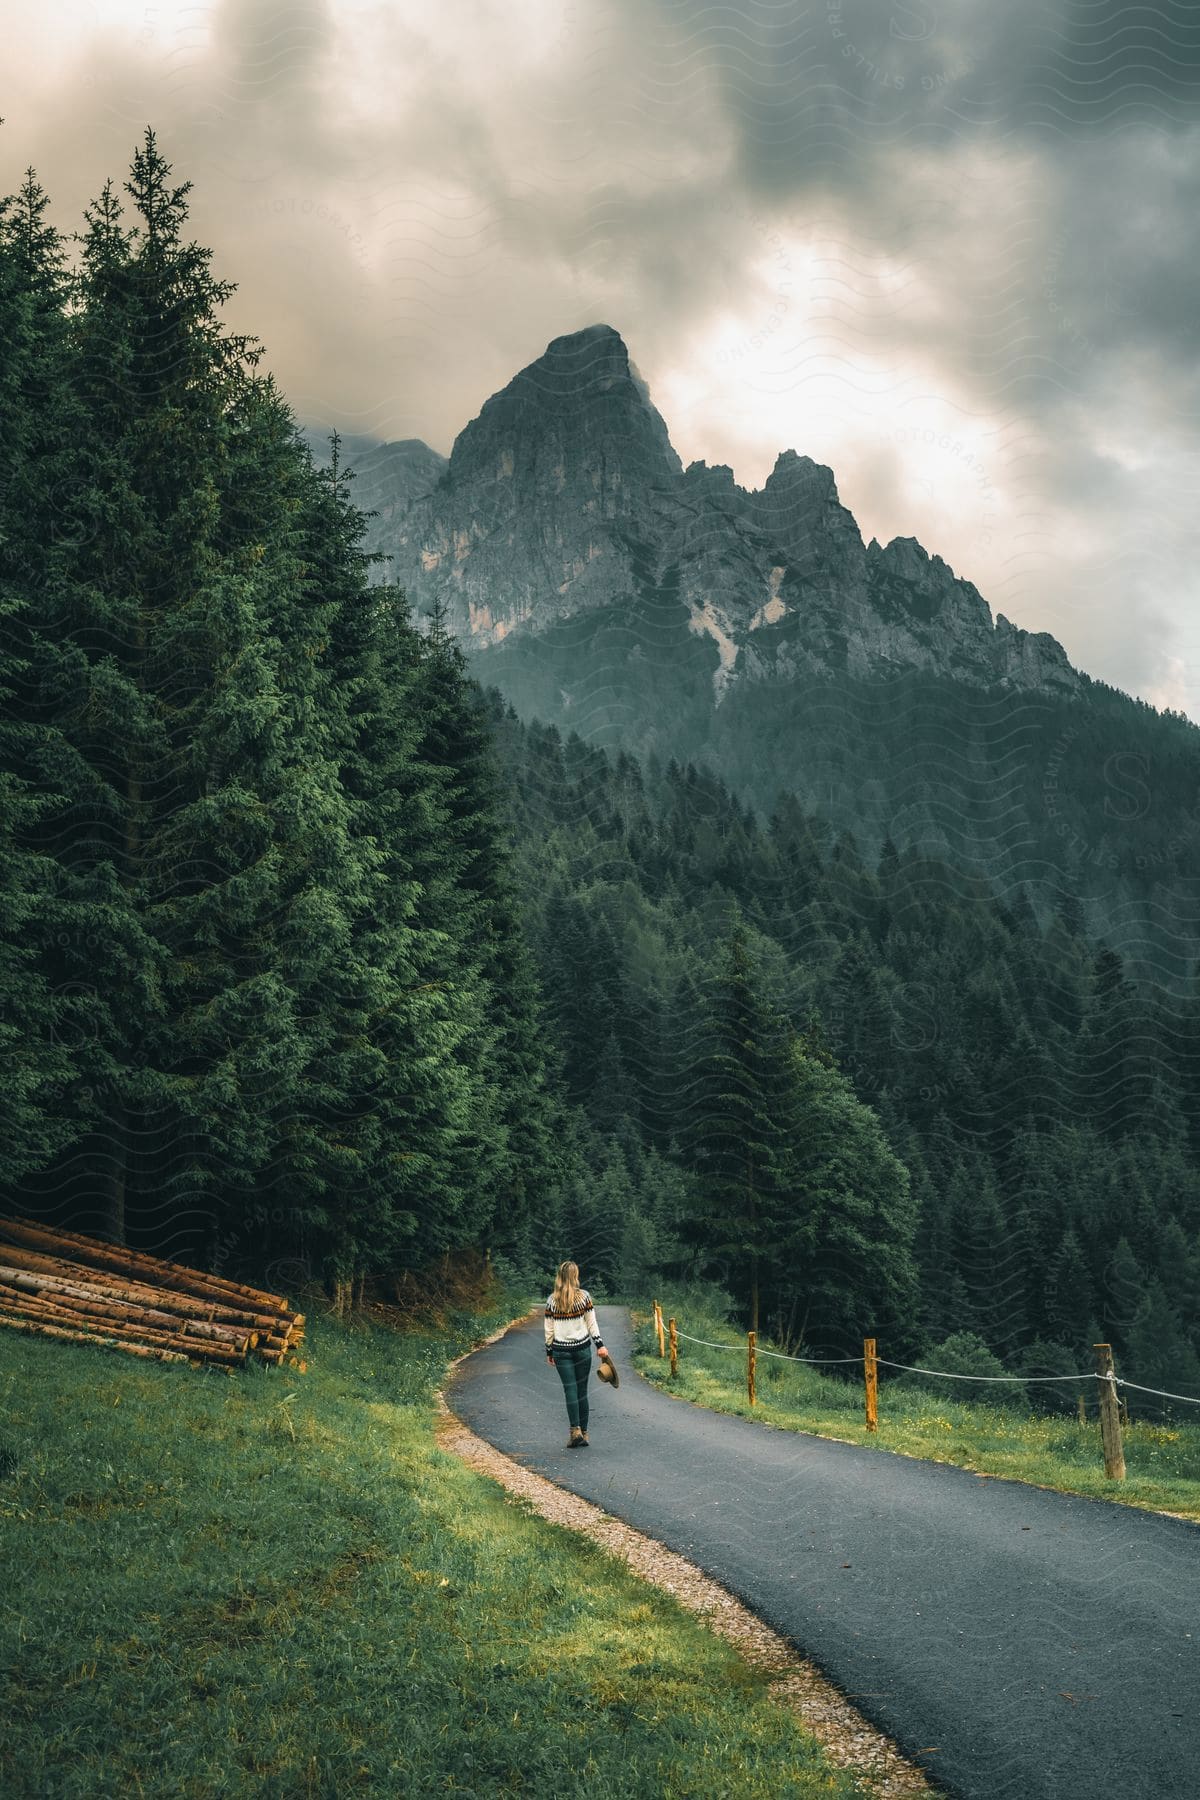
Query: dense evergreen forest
[(265, 991), (1094, 795), (875, 1093), (310, 949)]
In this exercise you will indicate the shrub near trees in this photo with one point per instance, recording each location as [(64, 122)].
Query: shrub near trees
[(259, 954)]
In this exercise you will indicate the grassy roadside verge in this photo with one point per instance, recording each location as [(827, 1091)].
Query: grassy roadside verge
[(1162, 1462), (270, 1585)]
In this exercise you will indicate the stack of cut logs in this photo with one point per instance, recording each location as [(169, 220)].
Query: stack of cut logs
[(61, 1284)]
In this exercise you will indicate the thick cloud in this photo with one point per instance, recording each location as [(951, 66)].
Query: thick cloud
[(949, 248)]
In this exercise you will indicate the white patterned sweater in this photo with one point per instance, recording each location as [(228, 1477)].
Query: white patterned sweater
[(575, 1326)]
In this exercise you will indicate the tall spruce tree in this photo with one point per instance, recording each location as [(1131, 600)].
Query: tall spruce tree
[(408, 1190), (173, 723), (37, 1019), (855, 1196), (740, 1138), (205, 701), (513, 1149), (252, 842)]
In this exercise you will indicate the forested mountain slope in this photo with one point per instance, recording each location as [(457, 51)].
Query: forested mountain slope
[(1044, 1103), (602, 587), (312, 951)]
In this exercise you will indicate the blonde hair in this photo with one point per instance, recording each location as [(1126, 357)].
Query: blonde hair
[(566, 1287)]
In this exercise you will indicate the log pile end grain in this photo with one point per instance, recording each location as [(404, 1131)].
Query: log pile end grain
[(65, 1285)]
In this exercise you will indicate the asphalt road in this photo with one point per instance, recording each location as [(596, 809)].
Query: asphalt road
[(1012, 1642)]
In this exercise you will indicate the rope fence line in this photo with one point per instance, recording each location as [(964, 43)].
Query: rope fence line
[(946, 1375), (1188, 1399), (822, 1360), (1112, 1413), (942, 1374)]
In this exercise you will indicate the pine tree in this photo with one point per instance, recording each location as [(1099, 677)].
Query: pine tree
[(738, 1142), (853, 1197), (1179, 1270), (1185, 1052), (517, 1126), (1042, 1358), (261, 948), (386, 1099), (1123, 1285), (200, 827), (614, 1103), (1159, 1351), (36, 1021), (604, 1220), (196, 786), (1068, 1300), (578, 1009), (861, 1020), (990, 1255), (1115, 1052)]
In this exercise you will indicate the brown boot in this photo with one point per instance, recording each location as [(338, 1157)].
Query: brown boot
[(583, 1440), (577, 1438)]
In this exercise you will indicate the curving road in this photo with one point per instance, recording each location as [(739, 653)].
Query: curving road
[(1012, 1642)]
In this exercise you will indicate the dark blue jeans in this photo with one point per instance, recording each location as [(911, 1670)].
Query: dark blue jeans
[(574, 1365)]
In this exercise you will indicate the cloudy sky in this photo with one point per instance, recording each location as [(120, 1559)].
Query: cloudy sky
[(949, 247)]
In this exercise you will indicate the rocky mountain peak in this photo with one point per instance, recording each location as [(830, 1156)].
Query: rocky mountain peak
[(600, 346), (565, 498), (580, 402), (798, 506), (712, 488), (792, 470)]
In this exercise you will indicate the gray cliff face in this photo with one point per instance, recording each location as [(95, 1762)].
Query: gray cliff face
[(553, 497), (565, 495)]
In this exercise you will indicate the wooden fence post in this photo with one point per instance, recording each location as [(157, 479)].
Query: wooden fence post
[(658, 1328), (751, 1363), (871, 1379), (1110, 1419), (1082, 1408), (674, 1350)]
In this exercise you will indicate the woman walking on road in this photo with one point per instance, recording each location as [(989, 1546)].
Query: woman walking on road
[(571, 1330)]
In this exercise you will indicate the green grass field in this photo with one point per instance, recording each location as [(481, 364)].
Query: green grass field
[(271, 1584), (1162, 1460)]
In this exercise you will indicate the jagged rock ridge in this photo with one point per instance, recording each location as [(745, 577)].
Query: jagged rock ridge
[(565, 495)]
